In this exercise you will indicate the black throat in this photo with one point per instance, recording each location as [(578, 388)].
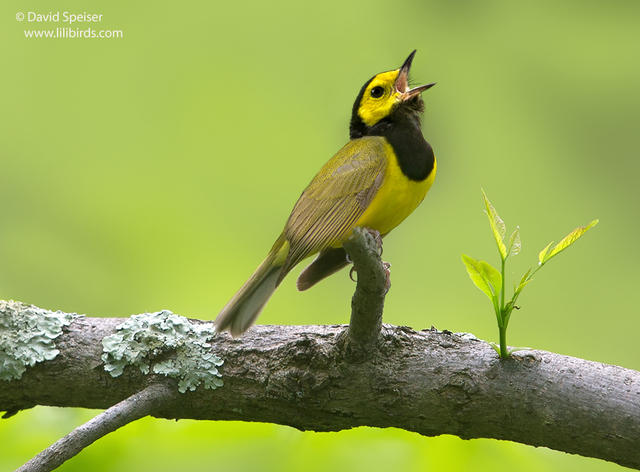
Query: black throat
[(402, 130)]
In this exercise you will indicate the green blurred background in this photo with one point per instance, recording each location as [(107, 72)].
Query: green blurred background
[(155, 171)]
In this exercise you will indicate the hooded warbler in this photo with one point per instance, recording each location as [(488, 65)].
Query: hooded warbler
[(375, 181)]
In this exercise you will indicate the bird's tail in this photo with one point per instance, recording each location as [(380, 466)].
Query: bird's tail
[(245, 306)]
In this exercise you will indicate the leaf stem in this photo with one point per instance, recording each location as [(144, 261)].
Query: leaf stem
[(500, 311), (496, 308), (502, 288), (504, 352)]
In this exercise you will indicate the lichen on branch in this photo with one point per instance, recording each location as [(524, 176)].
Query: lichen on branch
[(428, 381), (166, 344), (27, 336)]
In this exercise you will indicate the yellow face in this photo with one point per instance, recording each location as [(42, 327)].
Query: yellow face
[(379, 98)]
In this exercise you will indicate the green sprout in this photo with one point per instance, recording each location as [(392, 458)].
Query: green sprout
[(491, 281)]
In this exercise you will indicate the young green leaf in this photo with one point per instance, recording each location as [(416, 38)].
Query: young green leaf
[(497, 226), (483, 275), (523, 282), (543, 254), (515, 245), (495, 347), (569, 239), (508, 308)]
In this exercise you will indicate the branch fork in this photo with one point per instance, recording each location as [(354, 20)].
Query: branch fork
[(430, 382)]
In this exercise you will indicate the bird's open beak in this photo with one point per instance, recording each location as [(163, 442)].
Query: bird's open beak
[(402, 82)]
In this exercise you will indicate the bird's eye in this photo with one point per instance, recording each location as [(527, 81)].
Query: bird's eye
[(377, 92)]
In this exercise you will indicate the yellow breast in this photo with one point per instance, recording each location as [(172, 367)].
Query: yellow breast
[(397, 197)]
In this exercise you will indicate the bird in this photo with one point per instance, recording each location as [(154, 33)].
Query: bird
[(374, 182)]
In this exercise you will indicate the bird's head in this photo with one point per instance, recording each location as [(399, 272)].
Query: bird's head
[(384, 95)]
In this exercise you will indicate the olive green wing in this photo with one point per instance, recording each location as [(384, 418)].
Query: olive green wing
[(338, 195)]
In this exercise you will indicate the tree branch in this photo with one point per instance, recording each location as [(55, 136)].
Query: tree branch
[(368, 300), (132, 408), (430, 382)]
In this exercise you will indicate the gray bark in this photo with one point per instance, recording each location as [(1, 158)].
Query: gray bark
[(328, 378), (429, 382)]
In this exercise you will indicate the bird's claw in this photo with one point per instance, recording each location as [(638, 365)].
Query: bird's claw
[(387, 271), (377, 238)]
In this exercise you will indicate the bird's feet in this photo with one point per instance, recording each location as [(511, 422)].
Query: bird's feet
[(387, 272), (377, 238)]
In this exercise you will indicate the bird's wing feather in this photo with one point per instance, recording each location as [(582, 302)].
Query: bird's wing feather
[(330, 206)]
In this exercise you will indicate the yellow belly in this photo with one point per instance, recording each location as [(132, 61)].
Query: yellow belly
[(396, 199)]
